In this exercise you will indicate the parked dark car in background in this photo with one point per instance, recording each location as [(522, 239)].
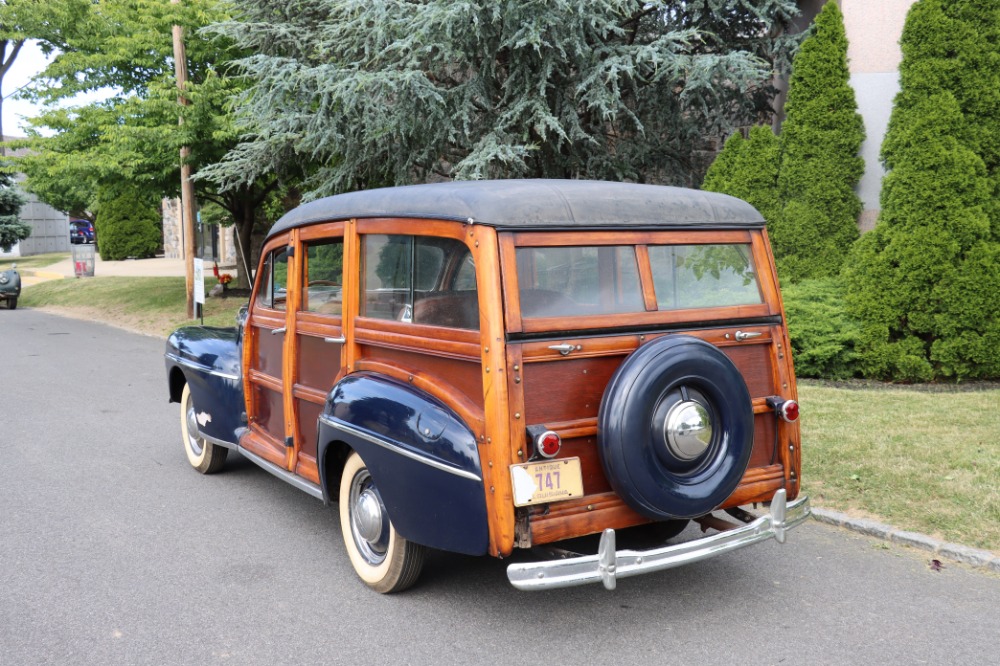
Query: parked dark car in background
[(10, 286), (81, 231)]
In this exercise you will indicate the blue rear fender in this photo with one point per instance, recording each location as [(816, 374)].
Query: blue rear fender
[(207, 359), (422, 457)]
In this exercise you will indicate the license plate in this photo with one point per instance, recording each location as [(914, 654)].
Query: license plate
[(549, 481)]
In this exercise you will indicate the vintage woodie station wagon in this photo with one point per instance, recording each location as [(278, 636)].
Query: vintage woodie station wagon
[(480, 367)]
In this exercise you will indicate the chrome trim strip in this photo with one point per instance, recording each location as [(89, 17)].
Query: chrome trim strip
[(283, 474), (201, 368), (218, 442), (609, 565), (339, 425)]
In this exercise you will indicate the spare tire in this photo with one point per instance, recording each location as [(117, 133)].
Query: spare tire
[(675, 428)]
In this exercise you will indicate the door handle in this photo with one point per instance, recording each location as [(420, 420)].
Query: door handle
[(336, 341), (278, 330), (744, 335), (564, 349)]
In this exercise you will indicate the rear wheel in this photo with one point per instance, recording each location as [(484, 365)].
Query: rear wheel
[(204, 456), (12, 303), (384, 560)]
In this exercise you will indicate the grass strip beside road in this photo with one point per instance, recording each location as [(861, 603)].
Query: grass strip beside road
[(921, 460), (150, 305), (35, 261)]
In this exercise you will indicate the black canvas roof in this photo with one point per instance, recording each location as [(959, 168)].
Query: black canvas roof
[(535, 204)]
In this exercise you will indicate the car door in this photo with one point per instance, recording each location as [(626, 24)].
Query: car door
[(264, 350), (316, 343)]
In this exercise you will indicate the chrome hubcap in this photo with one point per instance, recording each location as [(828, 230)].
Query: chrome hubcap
[(197, 444), (368, 516), (369, 523), (687, 430)]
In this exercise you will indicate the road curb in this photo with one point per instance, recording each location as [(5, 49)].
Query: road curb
[(973, 557)]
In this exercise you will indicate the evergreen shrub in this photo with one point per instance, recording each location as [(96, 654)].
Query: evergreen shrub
[(803, 181), (926, 282), (823, 335), (820, 140), (128, 225)]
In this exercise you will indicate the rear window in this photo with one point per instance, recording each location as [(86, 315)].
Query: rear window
[(603, 280), (703, 276), (569, 281)]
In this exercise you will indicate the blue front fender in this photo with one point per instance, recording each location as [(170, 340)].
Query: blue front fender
[(421, 455), (208, 360)]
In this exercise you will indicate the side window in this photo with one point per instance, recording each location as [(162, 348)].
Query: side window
[(420, 280), (274, 276), (324, 271)]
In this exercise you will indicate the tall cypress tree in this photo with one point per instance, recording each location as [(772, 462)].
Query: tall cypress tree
[(803, 181), (926, 281), (748, 169), (820, 165)]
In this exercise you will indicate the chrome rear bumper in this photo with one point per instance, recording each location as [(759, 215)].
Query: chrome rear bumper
[(608, 565)]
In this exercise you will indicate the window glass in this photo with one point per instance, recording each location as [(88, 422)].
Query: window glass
[(324, 272), (700, 276), (272, 292), (421, 280), (569, 281)]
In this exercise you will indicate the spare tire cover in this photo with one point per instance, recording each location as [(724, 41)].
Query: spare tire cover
[(675, 428)]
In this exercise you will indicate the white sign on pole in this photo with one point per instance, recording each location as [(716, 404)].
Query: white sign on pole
[(199, 281)]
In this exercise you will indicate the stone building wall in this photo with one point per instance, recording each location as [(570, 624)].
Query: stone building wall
[(173, 237)]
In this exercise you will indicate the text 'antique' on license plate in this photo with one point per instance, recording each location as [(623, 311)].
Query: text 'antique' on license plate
[(548, 481)]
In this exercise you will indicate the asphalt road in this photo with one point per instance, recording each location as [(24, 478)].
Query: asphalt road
[(114, 551)]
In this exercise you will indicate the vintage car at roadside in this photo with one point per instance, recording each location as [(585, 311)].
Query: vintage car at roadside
[(481, 367), (10, 286)]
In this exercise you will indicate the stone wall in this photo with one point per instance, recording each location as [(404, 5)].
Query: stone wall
[(173, 237)]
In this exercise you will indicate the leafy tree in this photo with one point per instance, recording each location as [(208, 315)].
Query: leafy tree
[(11, 41), (125, 46), (362, 93), (12, 230), (926, 281), (803, 182)]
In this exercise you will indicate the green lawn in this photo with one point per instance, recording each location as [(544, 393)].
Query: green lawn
[(35, 261), (919, 459), (151, 305)]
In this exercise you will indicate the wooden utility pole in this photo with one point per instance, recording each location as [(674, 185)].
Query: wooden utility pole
[(187, 187)]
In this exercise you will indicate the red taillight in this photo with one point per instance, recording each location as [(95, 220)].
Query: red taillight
[(789, 411), (548, 444)]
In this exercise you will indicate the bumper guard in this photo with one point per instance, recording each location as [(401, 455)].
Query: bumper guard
[(608, 565)]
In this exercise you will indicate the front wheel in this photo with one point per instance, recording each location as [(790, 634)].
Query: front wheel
[(12, 303), (384, 560), (204, 456)]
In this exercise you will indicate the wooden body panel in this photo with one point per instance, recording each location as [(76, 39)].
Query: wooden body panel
[(563, 391)]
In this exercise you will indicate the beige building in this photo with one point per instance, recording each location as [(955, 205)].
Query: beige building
[(873, 31)]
